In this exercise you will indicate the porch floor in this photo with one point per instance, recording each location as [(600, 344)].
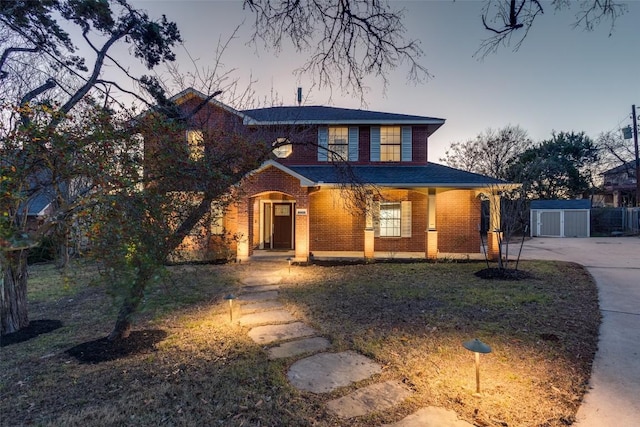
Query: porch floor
[(281, 256)]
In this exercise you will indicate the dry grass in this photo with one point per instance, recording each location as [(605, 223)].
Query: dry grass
[(411, 318)]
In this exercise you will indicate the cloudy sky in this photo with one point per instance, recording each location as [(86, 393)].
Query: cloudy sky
[(561, 79)]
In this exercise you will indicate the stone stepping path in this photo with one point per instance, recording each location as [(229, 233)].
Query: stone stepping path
[(273, 333), (261, 288), (262, 317), (258, 296), (261, 280), (431, 417), (252, 307), (298, 347), (325, 372), (376, 397)]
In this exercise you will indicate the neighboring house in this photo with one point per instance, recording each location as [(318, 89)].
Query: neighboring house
[(620, 185), (302, 199)]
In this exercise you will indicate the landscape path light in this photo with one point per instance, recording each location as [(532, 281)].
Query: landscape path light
[(230, 298), (477, 347), (289, 260)]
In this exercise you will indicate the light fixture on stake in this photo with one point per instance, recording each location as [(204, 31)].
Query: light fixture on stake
[(477, 347), (289, 260), (230, 298)]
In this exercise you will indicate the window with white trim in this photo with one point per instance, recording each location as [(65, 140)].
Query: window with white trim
[(390, 214), (195, 144), (393, 219), (390, 143), (338, 143)]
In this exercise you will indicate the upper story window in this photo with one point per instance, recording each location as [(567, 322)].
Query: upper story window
[(282, 148), (195, 144), (338, 143), (390, 143)]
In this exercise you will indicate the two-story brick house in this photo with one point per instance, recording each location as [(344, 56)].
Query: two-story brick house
[(343, 181)]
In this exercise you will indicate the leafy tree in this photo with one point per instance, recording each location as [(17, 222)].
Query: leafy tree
[(490, 153), (558, 168), (62, 123), (46, 115)]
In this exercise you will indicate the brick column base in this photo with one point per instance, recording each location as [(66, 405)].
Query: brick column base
[(369, 245), (432, 245)]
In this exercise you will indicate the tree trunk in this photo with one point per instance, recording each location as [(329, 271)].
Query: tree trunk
[(122, 328), (13, 292)]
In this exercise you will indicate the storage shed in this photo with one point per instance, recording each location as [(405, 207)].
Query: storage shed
[(560, 218)]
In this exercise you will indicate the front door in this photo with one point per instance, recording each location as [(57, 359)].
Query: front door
[(282, 226)]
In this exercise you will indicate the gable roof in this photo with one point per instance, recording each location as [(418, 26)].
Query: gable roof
[(321, 115), (431, 175), (561, 204), (189, 93), (630, 166)]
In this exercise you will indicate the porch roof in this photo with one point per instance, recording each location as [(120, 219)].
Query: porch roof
[(429, 175)]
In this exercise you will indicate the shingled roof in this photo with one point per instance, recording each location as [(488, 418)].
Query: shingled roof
[(318, 115), (429, 175)]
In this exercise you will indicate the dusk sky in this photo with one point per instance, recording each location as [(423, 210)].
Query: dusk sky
[(561, 79)]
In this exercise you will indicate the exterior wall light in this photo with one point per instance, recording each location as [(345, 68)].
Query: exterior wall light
[(477, 347), (230, 298)]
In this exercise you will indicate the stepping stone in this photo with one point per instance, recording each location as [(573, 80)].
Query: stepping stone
[(376, 397), (275, 316), (324, 372), (272, 333), (261, 280), (260, 288), (262, 306), (297, 347), (259, 296), (431, 417)]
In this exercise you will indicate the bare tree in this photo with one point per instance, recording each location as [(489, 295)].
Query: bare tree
[(490, 153), (348, 39), (505, 19)]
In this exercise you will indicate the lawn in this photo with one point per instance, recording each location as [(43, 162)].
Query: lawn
[(410, 318)]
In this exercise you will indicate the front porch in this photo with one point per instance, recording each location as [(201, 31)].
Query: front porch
[(284, 256)]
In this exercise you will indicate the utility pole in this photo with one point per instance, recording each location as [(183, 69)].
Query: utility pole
[(635, 145)]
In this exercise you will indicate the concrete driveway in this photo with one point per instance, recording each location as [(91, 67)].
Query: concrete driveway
[(614, 395)]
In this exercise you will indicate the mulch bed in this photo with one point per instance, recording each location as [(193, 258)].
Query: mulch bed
[(502, 274), (103, 349), (35, 328)]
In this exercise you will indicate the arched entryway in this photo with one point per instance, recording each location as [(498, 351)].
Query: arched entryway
[(277, 225)]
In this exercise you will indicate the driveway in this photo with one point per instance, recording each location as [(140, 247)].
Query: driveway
[(614, 263)]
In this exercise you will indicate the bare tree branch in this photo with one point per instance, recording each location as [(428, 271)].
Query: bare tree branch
[(348, 39), (505, 18)]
